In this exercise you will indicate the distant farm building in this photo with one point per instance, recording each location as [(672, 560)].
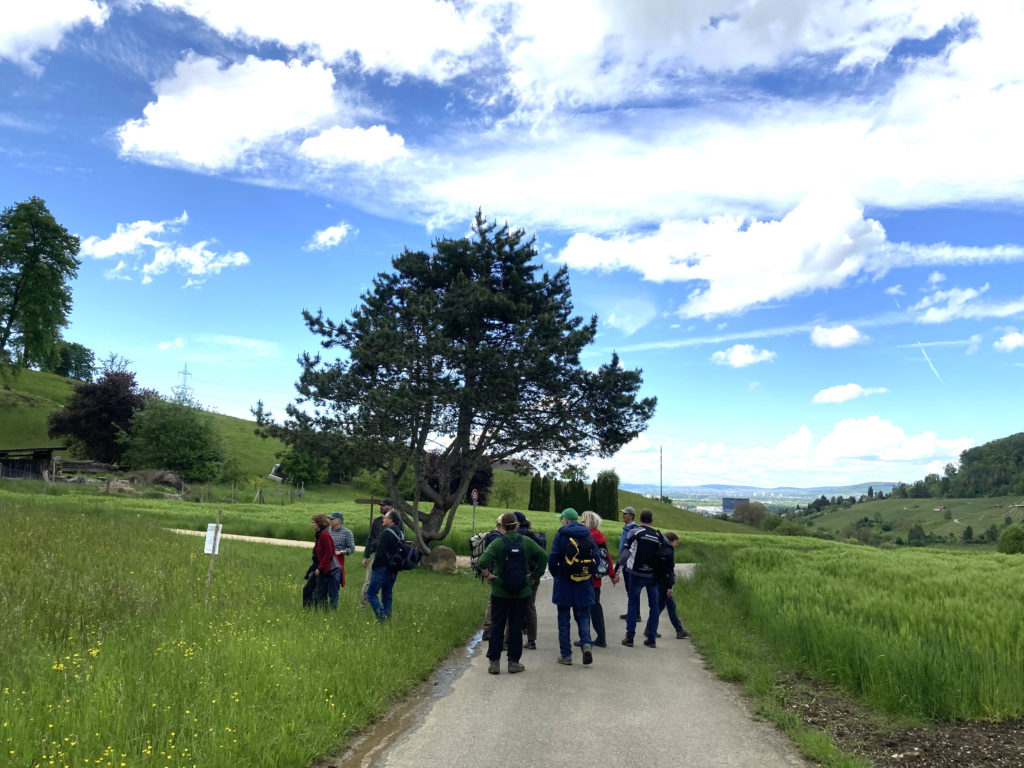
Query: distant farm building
[(28, 463), (729, 504)]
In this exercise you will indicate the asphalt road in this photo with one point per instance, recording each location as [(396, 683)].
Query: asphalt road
[(632, 707)]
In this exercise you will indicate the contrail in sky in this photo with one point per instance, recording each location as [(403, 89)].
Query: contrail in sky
[(930, 365)]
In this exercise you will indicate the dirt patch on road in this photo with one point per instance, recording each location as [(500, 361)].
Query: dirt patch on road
[(938, 745)]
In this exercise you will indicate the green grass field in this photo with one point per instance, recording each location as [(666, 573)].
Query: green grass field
[(110, 656)]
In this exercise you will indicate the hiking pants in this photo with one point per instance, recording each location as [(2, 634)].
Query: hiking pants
[(506, 610)]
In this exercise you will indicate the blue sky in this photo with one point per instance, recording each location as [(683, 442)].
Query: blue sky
[(803, 219)]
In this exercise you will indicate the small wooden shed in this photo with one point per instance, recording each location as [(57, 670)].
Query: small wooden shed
[(28, 463)]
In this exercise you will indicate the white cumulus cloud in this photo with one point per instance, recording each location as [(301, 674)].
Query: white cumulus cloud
[(210, 115), (329, 237), (844, 392), (364, 146), (1010, 341), (837, 337), (29, 28), (155, 250), (742, 355)]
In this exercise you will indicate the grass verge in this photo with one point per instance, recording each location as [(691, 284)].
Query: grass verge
[(111, 657)]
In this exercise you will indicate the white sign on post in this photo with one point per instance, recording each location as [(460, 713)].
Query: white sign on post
[(212, 546)]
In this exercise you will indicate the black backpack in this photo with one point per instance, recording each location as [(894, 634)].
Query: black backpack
[(513, 574), (405, 557), (579, 562), (665, 564), (602, 561), (648, 546)]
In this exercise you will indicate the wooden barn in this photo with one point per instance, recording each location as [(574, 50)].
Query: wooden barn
[(28, 463)]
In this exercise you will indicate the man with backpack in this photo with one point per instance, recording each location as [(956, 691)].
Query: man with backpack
[(509, 564), (382, 574), (640, 560), (573, 564), (628, 524), (531, 605)]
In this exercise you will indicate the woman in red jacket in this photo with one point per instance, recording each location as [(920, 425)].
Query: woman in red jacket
[(593, 521)]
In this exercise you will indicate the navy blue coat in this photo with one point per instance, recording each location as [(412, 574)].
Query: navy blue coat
[(566, 591)]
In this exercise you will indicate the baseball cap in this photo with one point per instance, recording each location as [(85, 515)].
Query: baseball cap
[(336, 516), (569, 514), (629, 511)]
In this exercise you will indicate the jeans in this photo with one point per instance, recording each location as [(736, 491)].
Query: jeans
[(333, 587), (382, 580), (512, 610), (582, 616), (666, 601), (325, 594), (638, 584), (597, 617)]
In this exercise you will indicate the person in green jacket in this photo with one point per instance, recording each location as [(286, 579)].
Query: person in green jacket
[(509, 564)]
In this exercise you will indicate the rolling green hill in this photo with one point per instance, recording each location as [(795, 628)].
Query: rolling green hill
[(26, 401), (28, 398), (893, 518)]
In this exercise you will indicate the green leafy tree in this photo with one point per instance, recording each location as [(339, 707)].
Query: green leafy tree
[(606, 494), (503, 490), (968, 535), (98, 413), (750, 512), (73, 361), (1011, 540), (38, 258), (177, 435), (471, 349)]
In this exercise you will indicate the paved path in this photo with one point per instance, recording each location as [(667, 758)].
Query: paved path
[(643, 707), (632, 707)]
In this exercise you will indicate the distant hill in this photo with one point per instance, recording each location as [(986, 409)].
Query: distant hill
[(781, 494), (28, 399)]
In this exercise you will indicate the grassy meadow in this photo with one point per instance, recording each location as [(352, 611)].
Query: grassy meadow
[(111, 657), (914, 633), (939, 517)]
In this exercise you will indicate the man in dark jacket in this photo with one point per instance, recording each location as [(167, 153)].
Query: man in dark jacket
[(508, 599), (382, 578), (643, 544), (371, 547), (573, 589)]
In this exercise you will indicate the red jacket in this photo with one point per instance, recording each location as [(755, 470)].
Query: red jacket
[(601, 541), (323, 551)]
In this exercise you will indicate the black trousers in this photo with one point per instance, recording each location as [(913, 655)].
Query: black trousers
[(511, 611)]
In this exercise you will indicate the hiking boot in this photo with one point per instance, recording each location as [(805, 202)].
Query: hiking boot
[(623, 617), (600, 644), (628, 641), (565, 659), (682, 634), (495, 667), (515, 666), (650, 642), (658, 634), (530, 646), (577, 643), (588, 657)]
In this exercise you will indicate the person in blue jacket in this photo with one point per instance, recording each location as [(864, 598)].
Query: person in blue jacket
[(572, 591)]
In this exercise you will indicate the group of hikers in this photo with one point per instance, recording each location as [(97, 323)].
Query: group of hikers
[(334, 542), (515, 559), (512, 559)]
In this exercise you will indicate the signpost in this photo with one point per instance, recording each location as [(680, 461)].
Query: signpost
[(371, 501), (475, 496), (212, 548)]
